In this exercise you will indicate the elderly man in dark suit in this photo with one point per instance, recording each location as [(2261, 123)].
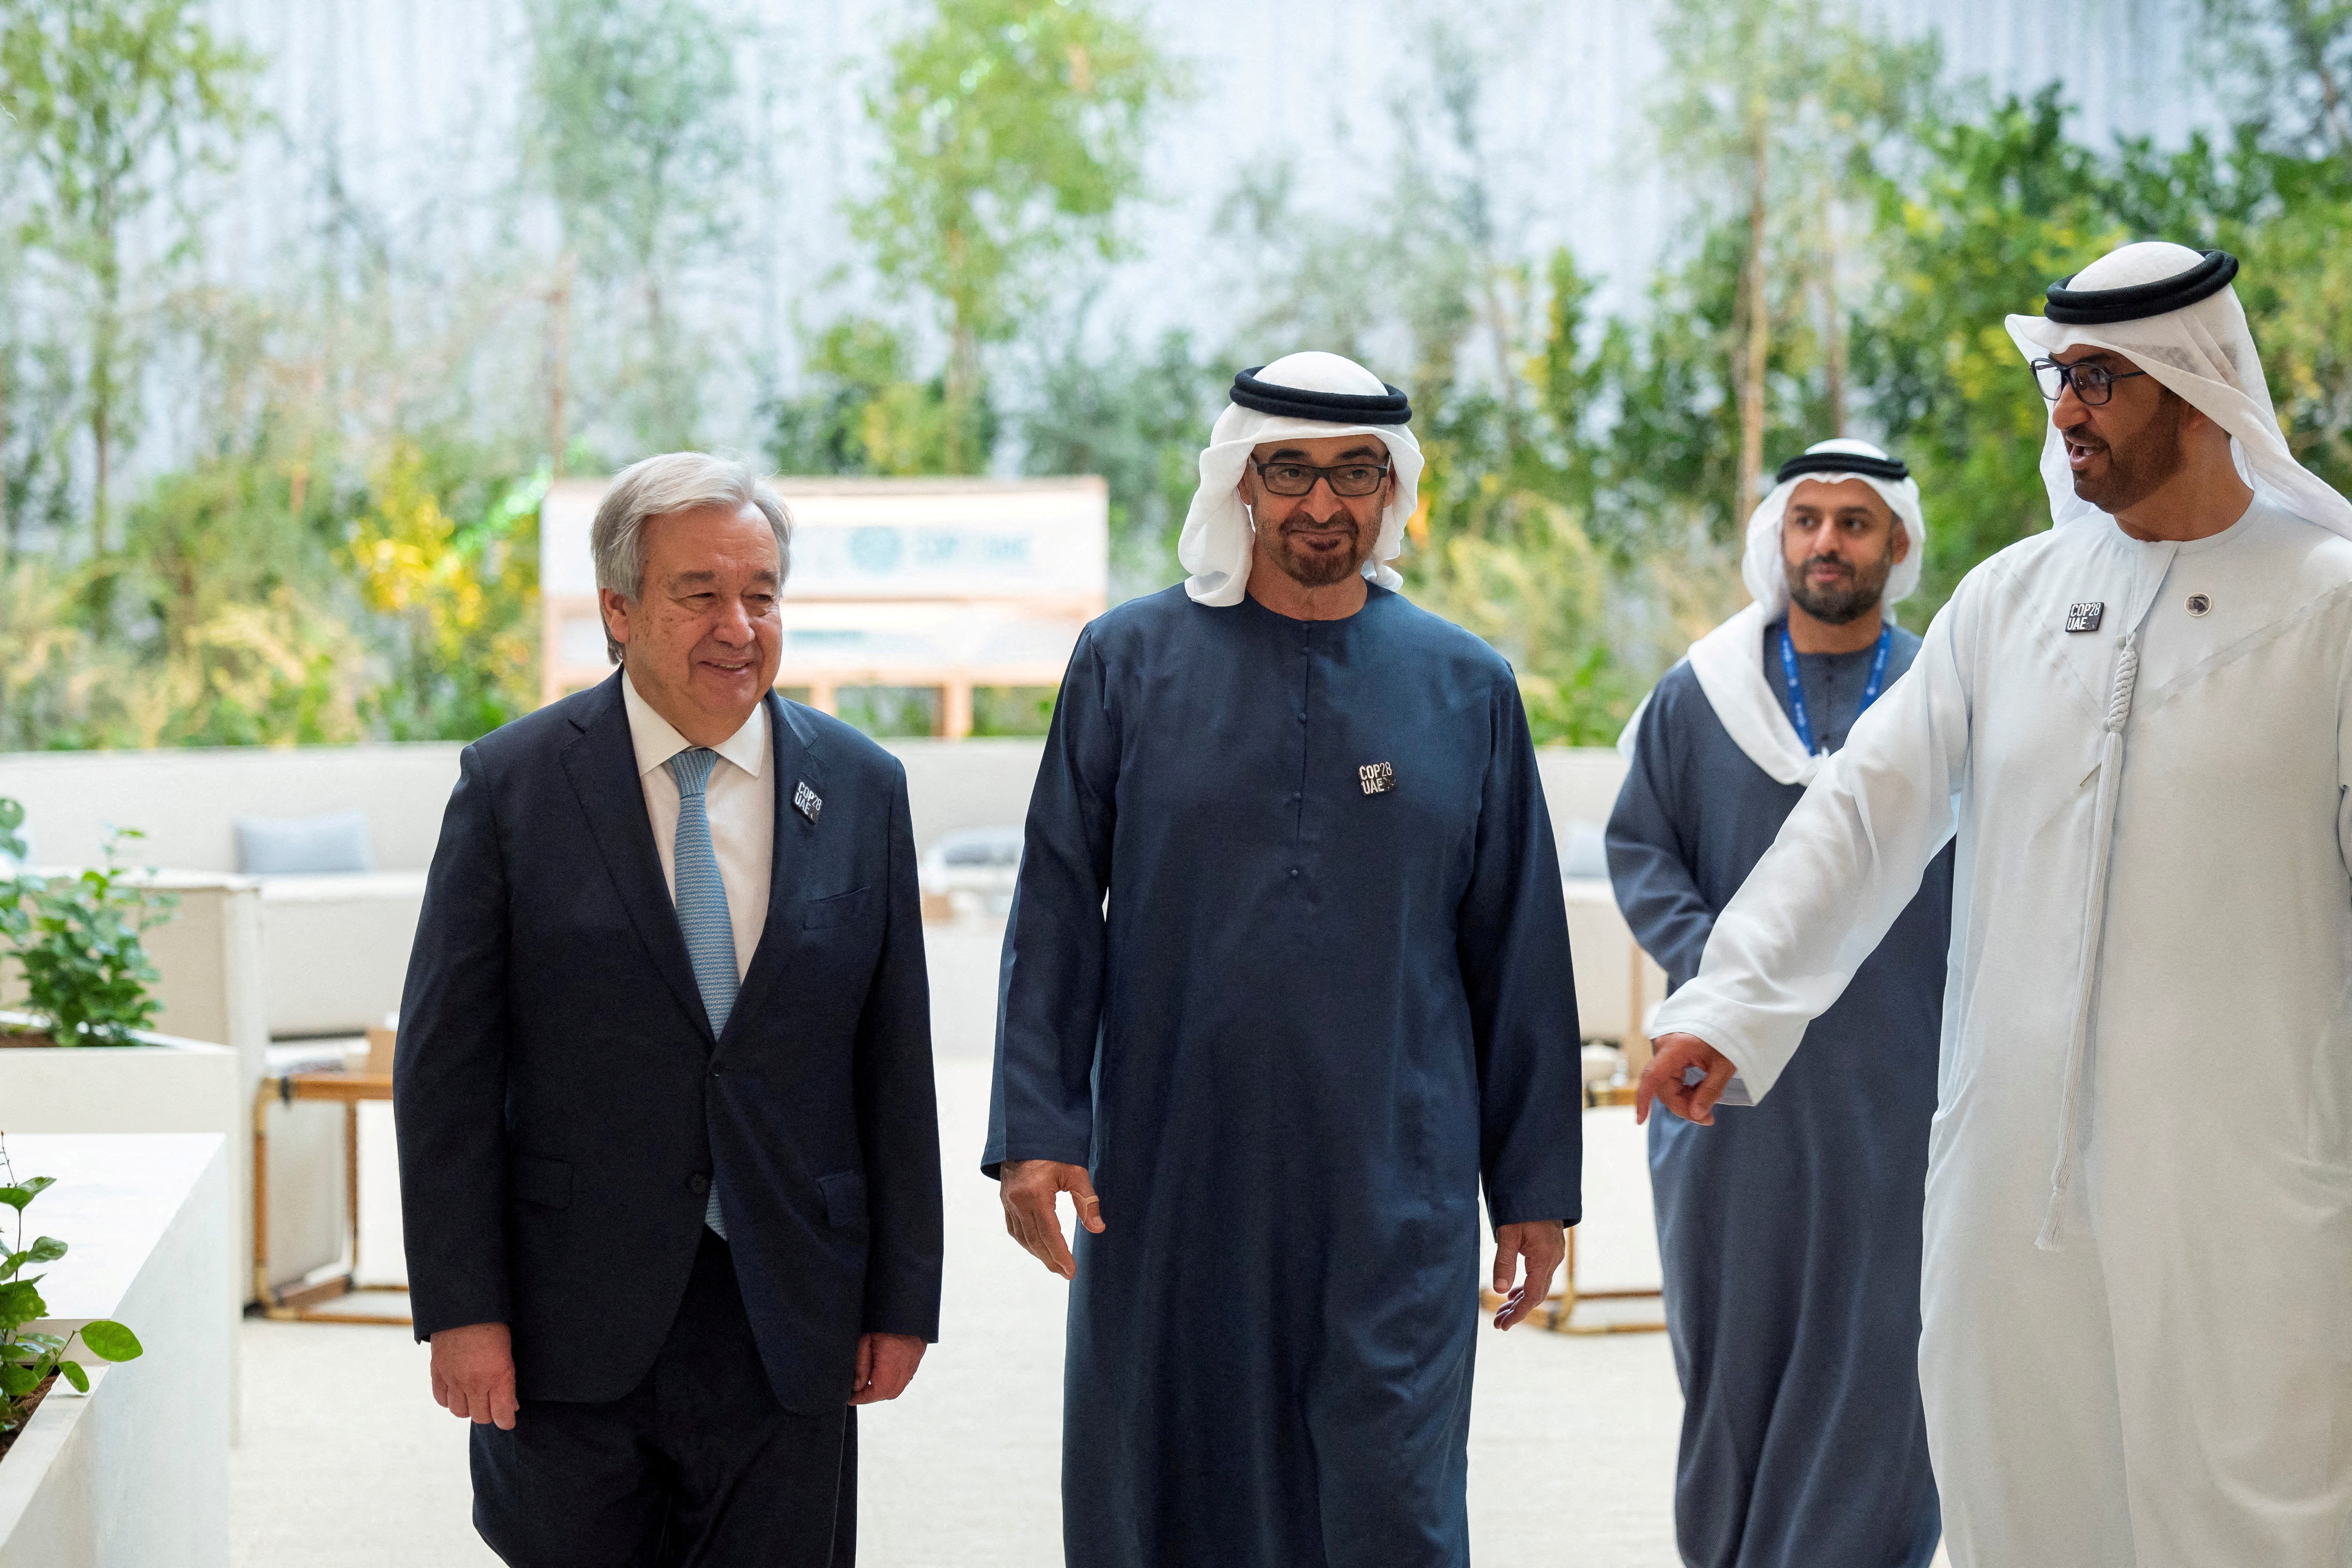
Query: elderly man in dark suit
[(668, 1145)]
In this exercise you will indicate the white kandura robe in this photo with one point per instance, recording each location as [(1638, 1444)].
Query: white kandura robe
[(2146, 1056)]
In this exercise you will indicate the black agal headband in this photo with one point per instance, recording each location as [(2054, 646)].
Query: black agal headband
[(2098, 307), (1331, 407), (1888, 468)]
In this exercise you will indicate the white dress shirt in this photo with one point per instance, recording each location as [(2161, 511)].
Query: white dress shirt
[(739, 802)]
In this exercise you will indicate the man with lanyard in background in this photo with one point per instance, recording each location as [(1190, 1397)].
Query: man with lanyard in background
[(1789, 1233)]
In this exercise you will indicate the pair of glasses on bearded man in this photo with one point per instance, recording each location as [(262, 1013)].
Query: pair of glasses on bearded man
[(1287, 478), (2093, 384)]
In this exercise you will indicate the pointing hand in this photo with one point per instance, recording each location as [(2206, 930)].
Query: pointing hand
[(1663, 1081)]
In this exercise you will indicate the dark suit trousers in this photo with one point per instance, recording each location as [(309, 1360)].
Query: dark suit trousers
[(698, 1466)]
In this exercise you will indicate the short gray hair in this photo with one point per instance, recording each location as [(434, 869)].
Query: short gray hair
[(673, 482)]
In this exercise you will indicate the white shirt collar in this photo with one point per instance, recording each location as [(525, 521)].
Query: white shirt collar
[(656, 740)]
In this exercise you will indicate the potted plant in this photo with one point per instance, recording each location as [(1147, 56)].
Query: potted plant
[(30, 1361), (86, 972)]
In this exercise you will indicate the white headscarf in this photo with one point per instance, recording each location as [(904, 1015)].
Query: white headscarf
[(1217, 539), (2205, 353), (1766, 571)]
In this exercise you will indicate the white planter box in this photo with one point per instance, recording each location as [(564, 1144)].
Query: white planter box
[(133, 1474), (163, 1084)]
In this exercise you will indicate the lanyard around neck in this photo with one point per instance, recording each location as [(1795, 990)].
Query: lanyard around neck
[(1797, 688)]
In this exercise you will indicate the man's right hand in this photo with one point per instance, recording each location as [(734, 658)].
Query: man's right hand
[(1662, 1082), (1029, 1189), (473, 1373)]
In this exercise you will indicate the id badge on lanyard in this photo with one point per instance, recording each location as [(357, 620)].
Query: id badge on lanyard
[(1797, 688)]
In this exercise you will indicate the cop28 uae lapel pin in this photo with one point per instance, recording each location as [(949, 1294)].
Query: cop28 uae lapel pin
[(2087, 616), (1378, 778), (805, 801)]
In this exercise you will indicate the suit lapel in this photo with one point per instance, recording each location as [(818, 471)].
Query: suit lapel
[(602, 763), (791, 740)]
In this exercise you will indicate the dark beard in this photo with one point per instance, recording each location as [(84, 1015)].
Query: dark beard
[(1839, 606), (1321, 571), (2155, 457)]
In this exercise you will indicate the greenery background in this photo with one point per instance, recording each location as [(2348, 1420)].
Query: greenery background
[(350, 552)]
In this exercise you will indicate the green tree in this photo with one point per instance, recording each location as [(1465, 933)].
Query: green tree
[(1772, 110), (1971, 230), (108, 105), (2290, 65), (447, 556), (1013, 130), (861, 412), (1138, 419), (628, 131)]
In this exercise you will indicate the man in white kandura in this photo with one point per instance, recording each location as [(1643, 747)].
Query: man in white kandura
[(2137, 1303)]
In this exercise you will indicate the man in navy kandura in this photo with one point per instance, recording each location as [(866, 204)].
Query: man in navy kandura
[(668, 1145), (1789, 1231), (1329, 996)]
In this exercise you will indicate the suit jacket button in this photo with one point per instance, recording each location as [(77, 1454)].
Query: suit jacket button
[(697, 1183)]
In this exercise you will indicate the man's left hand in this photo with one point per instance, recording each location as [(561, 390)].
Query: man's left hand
[(1542, 1246), (886, 1365)]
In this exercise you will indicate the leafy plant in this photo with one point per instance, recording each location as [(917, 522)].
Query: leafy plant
[(863, 414), (86, 970), (110, 103), (28, 1358), (1011, 133), (627, 129)]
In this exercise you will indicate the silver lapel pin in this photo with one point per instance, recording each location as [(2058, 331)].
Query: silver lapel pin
[(2087, 616), (805, 801), (1378, 778)]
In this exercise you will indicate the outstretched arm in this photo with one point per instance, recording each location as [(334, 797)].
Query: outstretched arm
[(1846, 862)]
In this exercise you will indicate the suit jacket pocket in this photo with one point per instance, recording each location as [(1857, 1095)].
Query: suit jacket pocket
[(838, 909), (537, 1180), (845, 1197)]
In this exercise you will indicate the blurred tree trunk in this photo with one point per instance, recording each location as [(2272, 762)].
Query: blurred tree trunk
[(962, 378), (105, 344), (2311, 37), (1757, 316), (1834, 354), (558, 360)]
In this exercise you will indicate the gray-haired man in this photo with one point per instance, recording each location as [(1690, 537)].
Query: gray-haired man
[(669, 1156)]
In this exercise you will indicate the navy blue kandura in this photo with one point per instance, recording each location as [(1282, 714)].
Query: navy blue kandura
[(1329, 994), (1789, 1231)]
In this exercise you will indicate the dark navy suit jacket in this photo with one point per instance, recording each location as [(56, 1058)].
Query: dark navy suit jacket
[(563, 1108)]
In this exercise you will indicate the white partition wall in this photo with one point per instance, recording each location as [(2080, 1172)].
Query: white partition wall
[(133, 1474)]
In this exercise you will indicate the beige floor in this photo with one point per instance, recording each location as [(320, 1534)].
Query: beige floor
[(346, 1463)]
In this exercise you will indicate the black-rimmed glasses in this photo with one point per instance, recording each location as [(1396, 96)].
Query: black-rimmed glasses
[(2093, 384), (1281, 478)]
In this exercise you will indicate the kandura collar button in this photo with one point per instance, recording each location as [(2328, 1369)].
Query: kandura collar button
[(2201, 605)]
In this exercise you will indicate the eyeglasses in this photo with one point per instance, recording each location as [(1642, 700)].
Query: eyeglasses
[(1286, 478), (2093, 384)]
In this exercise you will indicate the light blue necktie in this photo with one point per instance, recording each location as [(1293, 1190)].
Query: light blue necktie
[(701, 900)]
